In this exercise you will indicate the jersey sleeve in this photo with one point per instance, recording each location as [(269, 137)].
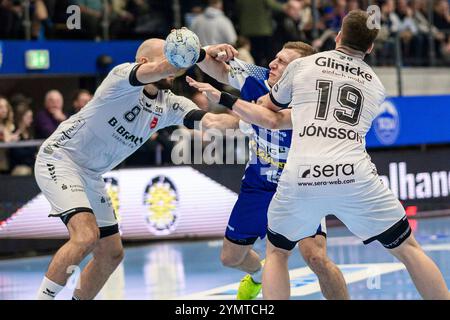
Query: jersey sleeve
[(281, 92), (240, 71), (178, 107), (120, 79)]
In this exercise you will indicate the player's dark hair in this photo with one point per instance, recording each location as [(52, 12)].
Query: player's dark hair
[(355, 33), (302, 48)]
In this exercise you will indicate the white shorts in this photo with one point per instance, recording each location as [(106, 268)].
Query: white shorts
[(70, 191), (360, 201)]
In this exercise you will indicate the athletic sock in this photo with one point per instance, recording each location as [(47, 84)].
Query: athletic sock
[(74, 297), (48, 290), (257, 276)]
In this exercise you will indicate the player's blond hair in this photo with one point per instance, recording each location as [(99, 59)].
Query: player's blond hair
[(300, 47)]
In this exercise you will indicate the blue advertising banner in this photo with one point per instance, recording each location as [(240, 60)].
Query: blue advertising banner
[(409, 121), (66, 57)]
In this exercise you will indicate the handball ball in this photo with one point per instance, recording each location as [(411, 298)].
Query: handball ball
[(182, 48)]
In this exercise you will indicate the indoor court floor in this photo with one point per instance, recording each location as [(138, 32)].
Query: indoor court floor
[(192, 269)]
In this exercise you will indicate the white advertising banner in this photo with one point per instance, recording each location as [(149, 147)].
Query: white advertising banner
[(166, 202)]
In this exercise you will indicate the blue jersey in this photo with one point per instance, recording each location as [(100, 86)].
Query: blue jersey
[(268, 148), (268, 155)]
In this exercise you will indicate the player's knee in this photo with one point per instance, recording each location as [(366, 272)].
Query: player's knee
[(116, 256), (87, 238), (316, 261), (231, 259)]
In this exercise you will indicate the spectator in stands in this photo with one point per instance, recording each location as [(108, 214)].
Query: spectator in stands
[(244, 48), (6, 131), (11, 13), (412, 42), (122, 20), (6, 121), (80, 99), (255, 23), (39, 17), (390, 26), (442, 22), (47, 120), (332, 20), (91, 15), (21, 160), (213, 26)]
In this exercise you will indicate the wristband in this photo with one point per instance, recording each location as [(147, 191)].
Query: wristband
[(227, 100), (201, 56)]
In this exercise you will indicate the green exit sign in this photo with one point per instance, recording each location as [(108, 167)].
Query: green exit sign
[(37, 59)]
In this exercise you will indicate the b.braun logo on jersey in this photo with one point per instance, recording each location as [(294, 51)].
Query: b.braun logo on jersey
[(387, 124), (161, 201)]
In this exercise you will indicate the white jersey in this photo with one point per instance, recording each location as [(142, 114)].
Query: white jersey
[(115, 123), (334, 99)]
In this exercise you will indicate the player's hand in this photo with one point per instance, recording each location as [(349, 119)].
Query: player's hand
[(211, 93), (222, 52)]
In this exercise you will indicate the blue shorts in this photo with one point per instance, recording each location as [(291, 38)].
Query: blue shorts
[(248, 220)]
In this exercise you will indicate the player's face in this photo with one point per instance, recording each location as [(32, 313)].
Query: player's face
[(279, 64), (164, 84)]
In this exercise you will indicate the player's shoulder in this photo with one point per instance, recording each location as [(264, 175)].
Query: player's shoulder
[(240, 67), (122, 70)]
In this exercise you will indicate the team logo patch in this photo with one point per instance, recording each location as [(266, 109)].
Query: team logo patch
[(154, 122), (161, 201), (387, 124)]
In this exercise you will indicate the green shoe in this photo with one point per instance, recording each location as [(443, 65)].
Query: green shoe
[(248, 289)]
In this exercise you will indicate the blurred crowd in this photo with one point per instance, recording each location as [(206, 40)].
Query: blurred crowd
[(18, 122), (258, 27)]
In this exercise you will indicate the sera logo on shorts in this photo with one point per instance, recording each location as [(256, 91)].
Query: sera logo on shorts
[(387, 124), (327, 171), (161, 201)]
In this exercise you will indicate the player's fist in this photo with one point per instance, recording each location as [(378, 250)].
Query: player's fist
[(222, 52)]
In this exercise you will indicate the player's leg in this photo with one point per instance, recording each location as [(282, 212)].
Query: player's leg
[(84, 234), (108, 252), (289, 220), (425, 274), (107, 255), (63, 186), (240, 256), (247, 222), (378, 215), (331, 279), (276, 273)]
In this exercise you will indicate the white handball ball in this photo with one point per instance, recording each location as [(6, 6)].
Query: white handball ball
[(182, 48)]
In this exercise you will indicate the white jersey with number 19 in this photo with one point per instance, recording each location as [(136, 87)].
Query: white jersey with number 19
[(334, 98)]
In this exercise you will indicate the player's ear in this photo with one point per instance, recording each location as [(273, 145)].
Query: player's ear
[(370, 49), (142, 60), (338, 38)]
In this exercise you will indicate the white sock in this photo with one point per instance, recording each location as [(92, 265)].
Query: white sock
[(257, 276), (48, 290)]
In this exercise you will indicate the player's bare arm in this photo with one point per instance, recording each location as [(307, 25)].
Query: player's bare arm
[(261, 113), (220, 121), (153, 71), (215, 60)]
